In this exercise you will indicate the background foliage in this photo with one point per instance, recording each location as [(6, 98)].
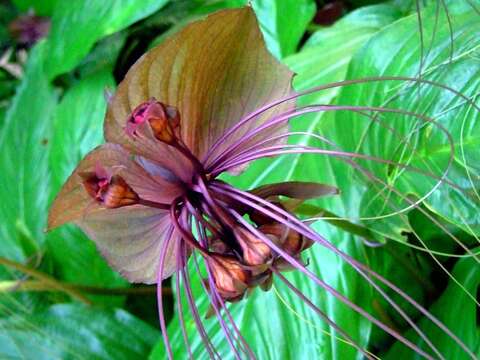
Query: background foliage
[(51, 114)]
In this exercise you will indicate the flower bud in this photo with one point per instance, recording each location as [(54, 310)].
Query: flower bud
[(289, 240), (162, 130), (28, 29), (230, 277), (164, 120), (255, 251), (111, 192), (219, 247)]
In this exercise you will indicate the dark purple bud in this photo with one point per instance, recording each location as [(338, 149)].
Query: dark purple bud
[(28, 29), (329, 13)]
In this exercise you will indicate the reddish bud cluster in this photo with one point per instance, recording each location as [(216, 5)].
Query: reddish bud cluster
[(255, 251), (111, 192), (164, 121), (243, 260)]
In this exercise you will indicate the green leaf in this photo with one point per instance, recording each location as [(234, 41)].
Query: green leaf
[(103, 55), (78, 24), (41, 7), (78, 125), (283, 23), (409, 270), (325, 56), (71, 331), (457, 311), (24, 161), (396, 52)]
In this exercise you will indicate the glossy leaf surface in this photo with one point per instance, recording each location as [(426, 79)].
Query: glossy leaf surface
[(78, 24), (452, 305), (283, 23), (24, 161), (67, 332)]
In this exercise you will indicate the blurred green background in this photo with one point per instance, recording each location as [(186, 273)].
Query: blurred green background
[(60, 300)]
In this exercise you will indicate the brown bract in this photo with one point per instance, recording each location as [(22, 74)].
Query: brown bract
[(215, 71), (129, 237), (195, 85)]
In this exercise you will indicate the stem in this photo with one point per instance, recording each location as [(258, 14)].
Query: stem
[(153, 204), (35, 285), (46, 279), (188, 237), (382, 313)]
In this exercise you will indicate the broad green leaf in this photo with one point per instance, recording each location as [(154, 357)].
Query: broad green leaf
[(408, 269), (69, 331), (457, 311), (78, 124), (325, 56), (103, 55), (283, 23), (396, 51), (78, 24), (24, 176), (41, 7), (322, 60), (24, 161)]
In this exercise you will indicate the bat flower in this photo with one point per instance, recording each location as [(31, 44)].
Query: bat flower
[(208, 100)]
